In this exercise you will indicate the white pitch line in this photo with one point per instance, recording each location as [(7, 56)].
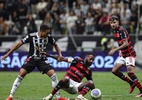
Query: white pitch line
[(30, 99), (111, 95), (119, 95)]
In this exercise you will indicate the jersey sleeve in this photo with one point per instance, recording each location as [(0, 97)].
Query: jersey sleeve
[(26, 39), (70, 59), (89, 76), (124, 34), (51, 40)]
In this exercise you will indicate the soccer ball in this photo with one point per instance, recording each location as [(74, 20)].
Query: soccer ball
[(96, 94)]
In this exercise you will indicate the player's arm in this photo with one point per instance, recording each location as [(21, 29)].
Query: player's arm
[(69, 59), (58, 51), (90, 79), (53, 42), (125, 44), (15, 47)]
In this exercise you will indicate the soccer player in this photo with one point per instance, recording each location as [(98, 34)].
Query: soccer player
[(79, 68), (127, 55), (38, 43)]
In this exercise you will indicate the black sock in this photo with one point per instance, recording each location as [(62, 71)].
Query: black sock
[(123, 77)]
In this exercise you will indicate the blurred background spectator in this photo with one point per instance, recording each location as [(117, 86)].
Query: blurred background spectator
[(80, 25), (31, 26), (89, 23), (18, 15), (3, 26), (104, 23)]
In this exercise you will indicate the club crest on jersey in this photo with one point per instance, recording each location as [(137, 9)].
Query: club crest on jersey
[(116, 35)]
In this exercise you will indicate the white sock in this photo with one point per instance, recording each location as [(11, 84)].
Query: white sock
[(54, 83), (15, 86)]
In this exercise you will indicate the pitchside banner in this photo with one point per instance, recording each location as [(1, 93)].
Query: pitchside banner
[(102, 62)]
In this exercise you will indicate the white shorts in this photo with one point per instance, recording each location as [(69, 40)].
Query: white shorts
[(73, 87), (126, 61)]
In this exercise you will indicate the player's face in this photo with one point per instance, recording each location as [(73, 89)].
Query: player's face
[(89, 60), (45, 33), (114, 24)]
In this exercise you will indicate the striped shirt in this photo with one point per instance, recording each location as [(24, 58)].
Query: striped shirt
[(37, 44), (78, 71), (120, 35)]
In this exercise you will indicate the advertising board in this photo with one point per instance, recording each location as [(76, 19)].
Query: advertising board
[(102, 61)]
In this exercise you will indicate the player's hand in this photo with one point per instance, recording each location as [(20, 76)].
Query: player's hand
[(59, 58), (111, 52), (4, 57)]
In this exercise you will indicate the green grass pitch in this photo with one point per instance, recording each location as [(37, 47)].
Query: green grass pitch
[(35, 86)]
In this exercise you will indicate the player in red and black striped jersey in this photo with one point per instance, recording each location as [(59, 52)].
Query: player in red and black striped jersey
[(127, 55), (79, 68)]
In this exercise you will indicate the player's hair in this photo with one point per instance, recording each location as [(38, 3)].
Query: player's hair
[(112, 18), (91, 53), (44, 27)]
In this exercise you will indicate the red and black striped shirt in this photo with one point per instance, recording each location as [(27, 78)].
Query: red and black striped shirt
[(78, 71), (120, 35)]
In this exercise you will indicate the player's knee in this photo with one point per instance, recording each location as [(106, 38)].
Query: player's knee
[(65, 80), (90, 84), (54, 77), (63, 83), (114, 71)]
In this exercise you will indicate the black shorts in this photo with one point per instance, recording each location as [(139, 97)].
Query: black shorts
[(30, 64)]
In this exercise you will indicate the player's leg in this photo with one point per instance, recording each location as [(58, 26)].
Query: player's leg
[(116, 70), (85, 87), (27, 67), (130, 63), (54, 80), (64, 83), (16, 83), (130, 71), (48, 69)]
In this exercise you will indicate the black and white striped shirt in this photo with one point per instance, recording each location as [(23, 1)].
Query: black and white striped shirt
[(37, 44)]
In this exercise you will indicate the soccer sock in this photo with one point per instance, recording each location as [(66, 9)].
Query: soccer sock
[(123, 77), (16, 84), (86, 89), (135, 80), (54, 83)]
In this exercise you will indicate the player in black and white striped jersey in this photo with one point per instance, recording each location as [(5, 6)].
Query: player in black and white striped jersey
[(38, 43)]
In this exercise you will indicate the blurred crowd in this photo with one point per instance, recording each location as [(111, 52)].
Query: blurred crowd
[(19, 17)]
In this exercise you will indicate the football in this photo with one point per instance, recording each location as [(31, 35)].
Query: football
[(96, 94)]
